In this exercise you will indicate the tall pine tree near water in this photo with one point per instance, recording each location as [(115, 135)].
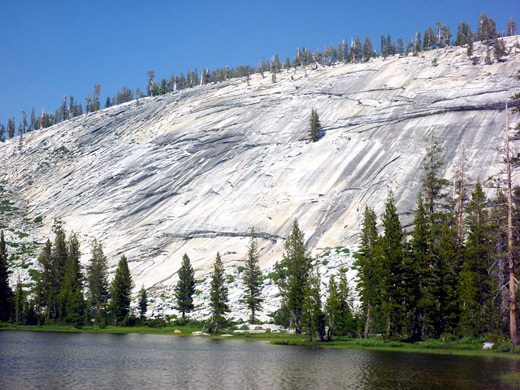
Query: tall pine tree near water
[(368, 267), (185, 287), (475, 286), (218, 296), (97, 280), (392, 267), (121, 291), (72, 302), (294, 272), (143, 303), (253, 278)]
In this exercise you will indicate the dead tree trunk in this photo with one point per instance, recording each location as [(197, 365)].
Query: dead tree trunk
[(515, 340)]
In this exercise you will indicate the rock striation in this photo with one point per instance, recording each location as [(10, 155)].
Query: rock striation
[(191, 172)]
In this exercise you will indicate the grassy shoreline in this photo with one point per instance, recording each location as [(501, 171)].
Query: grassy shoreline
[(432, 347)]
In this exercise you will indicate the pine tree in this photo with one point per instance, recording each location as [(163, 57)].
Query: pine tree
[(511, 27), (253, 278), (500, 49), (368, 50), (418, 46), (356, 50), (475, 286), (333, 309), (6, 294), (314, 126), (143, 303), (185, 287), (97, 279), (121, 291), (95, 99), (392, 253), (449, 264), (218, 295), (346, 323), (313, 319), (293, 275), (368, 267), (384, 47), (19, 303), (418, 281), (72, 302), (44, 293), (32, 124), (400, 47)]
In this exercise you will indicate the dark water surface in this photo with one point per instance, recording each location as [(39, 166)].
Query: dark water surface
[(47, 360)]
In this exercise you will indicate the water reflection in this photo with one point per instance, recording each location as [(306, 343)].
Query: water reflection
[(132, 361)]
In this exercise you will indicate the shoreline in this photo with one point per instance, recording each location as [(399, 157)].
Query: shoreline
[(281, 338)]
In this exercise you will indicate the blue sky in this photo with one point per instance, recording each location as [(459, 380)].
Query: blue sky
[(50, 49)]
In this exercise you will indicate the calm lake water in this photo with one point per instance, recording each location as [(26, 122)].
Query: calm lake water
[(46, 360)]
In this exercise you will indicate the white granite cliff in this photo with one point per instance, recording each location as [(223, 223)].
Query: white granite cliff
[(191, 172)]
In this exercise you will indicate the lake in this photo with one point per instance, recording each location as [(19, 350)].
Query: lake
[(48, 360)]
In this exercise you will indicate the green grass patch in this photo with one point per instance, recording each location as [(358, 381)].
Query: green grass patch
[(6, 205), (34, 274), (60, 152), (21, 234), (342, 249), (272, 275), (512, 379)]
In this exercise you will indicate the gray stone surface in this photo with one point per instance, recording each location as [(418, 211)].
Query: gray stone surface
[(191, 172)]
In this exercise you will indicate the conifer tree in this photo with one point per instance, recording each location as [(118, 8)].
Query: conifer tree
[(511, 27), (338, 312), (185, 287), (475, 286), (313, 319), (19, 302), (71, 298), (293, 274), (346, 320), (418, 46), (97, 279), (253, 278), (218, 295), (121, 291), (44, 293), (368, 267), (418, 280), (368, 50), (333, 309), (143, 303), (314, 126), (500, 49), (392, 269), (6, 294), (32, 124), (449, 265)]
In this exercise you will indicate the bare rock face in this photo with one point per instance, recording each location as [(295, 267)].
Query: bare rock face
[(192, 172)]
